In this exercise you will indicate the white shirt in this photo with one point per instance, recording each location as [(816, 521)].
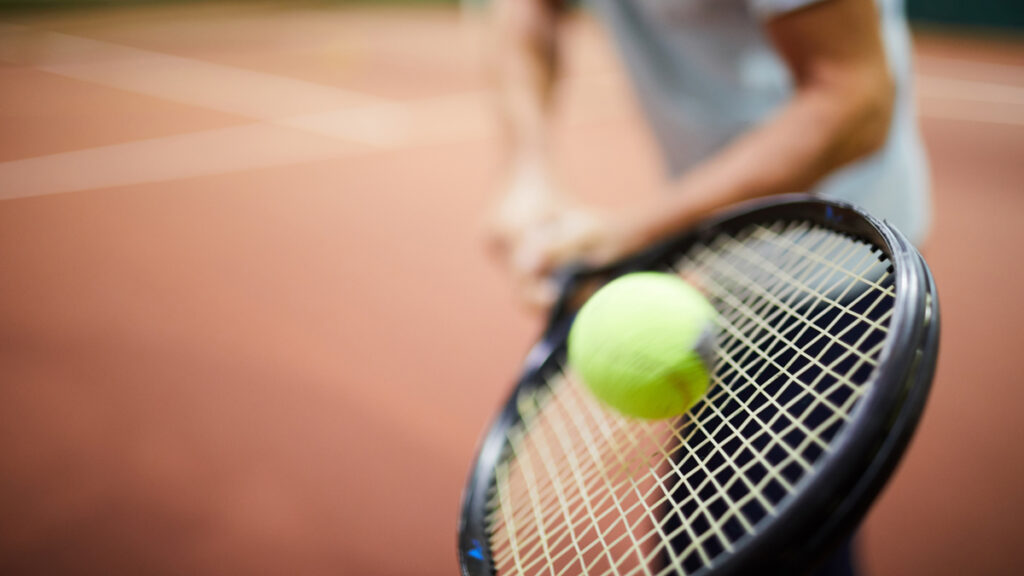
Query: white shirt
[(705, 73)]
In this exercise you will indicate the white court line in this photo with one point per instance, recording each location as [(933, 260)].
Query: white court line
[(947, 88), (954, 110), (428, 121), (358, 123), (210, 152), (970, 100), (252, 146), (229, 89), (960, 67), (282, 142), (295, 107)]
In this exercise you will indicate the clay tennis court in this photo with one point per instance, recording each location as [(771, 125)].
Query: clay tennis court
[(247, 324)]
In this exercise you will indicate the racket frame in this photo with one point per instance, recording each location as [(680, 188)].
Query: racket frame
[(825, 507)]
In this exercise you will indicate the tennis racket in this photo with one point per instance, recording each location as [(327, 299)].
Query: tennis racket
[(826, 343)]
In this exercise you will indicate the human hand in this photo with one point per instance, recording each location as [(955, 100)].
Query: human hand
[(574, 236), (535, 230), (529, 199)]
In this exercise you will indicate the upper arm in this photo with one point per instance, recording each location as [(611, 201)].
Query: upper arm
[(830, 40), (833, 49)]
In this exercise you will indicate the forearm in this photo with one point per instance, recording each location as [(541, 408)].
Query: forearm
[(840, 111), (525, 66), (821, 129)]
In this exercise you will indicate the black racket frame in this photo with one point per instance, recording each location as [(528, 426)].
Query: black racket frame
[(825, 507)]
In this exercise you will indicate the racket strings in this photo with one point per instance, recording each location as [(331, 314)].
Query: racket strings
[(803, 314)]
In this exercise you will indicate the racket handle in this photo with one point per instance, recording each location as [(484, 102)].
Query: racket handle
[(567, 280)]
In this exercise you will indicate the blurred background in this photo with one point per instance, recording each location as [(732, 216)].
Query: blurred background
[(247, 324)]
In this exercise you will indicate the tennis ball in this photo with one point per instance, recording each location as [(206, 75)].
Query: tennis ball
[(642, 345)]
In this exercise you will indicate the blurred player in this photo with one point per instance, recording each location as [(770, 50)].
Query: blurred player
[(746, 98)]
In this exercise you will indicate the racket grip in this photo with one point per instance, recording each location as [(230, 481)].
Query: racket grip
[(567, 281)]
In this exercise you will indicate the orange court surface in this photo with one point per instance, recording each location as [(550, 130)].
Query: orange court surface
[(247, 323)]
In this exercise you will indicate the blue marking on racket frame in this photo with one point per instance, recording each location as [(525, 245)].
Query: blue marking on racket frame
[(832, 216), (476, 551)]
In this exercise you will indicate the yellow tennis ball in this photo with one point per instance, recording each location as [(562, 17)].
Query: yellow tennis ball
[(642, 344)]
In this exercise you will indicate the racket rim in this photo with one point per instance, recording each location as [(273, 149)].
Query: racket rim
[(860, 447)]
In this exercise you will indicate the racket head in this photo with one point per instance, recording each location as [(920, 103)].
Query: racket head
[(826, 501)]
